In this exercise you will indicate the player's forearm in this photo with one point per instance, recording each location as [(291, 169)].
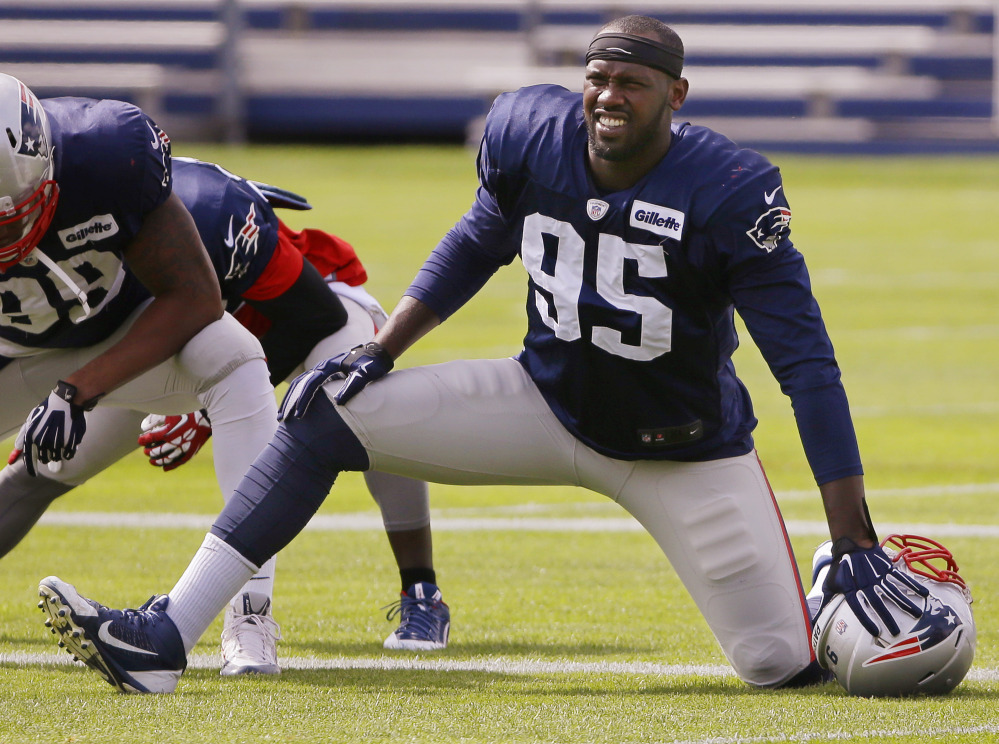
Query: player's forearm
[(167, 256), (161, 331), (846, 511), (453, 272), (410, 321)]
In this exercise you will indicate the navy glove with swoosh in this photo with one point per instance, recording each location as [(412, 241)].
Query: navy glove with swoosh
[(363, 365), (870, 572), (358, 367)]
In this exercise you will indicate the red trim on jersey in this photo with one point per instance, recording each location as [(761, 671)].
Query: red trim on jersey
[(790, 555), (333, 257), (280, 273)]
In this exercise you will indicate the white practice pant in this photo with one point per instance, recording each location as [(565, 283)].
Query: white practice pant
[(484, 422), (222, 369)]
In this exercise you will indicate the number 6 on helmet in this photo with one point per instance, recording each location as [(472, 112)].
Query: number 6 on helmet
[(930, 654)]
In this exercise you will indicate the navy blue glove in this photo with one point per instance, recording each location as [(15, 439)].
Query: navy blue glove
[(359, 366), (362, 365), (304, 387), (871, 573), (54, 428)]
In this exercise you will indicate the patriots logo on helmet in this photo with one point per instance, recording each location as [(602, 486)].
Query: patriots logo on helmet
[(33, 142), (935, 626), (771, 227), (244, 246)]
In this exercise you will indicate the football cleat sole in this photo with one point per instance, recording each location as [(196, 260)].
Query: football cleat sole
[(74, 638), (68, 615)]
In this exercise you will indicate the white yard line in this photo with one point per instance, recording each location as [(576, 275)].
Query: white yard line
[(489, 665), (368, 522)]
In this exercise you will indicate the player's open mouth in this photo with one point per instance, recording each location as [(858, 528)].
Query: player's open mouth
[(610, 123)]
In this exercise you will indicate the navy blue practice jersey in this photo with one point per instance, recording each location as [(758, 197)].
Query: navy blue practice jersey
[(631, 294), (235, 221), (112, 165)]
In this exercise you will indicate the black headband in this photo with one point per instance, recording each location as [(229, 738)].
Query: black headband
[(638, 50)]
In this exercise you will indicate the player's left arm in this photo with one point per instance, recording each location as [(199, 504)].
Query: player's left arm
[(769, 283), (767, 280), (167, 256), (844, 502)]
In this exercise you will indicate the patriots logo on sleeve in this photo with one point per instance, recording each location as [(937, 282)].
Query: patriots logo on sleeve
[(771, 227), (161, 142), (243, 245)]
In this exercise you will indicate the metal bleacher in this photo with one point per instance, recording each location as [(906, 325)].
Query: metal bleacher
[(816, 75)]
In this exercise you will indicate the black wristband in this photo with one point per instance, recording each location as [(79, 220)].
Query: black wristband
[(67, 391), (370, 349), (843, 546)]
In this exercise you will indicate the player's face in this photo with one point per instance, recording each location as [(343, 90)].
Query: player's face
[(628, 109), (12, 229)]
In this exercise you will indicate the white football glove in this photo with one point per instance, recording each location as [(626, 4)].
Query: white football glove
[(170, 441), (53, 430)]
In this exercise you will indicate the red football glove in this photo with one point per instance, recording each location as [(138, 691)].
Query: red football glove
[(170, 441)]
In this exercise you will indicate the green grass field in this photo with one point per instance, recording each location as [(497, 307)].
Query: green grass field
[(561, 634)]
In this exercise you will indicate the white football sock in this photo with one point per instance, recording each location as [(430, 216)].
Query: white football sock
[(213, 576)]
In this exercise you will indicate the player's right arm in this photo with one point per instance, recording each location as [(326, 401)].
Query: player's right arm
[(167, 256), (409, 322), (458, 267)]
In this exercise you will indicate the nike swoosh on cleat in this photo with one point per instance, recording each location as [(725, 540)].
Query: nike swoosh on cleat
[(110, 640)]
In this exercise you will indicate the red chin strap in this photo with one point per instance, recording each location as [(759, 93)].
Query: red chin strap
[(918, 552), (43, 201)]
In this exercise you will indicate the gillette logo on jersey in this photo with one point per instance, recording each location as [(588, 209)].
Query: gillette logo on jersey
[(657, 219), (98, 227)]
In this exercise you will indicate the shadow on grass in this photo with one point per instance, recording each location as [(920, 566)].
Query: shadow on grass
[(422, 682), (535, 649)]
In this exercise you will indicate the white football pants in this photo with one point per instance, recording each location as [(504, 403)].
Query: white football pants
[(484, 422), (240, 407), (222, 369)]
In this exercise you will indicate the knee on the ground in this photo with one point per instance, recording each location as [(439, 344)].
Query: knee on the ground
[(767, 660)]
